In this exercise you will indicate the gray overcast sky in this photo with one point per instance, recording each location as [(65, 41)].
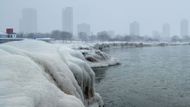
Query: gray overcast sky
[(101, 14)]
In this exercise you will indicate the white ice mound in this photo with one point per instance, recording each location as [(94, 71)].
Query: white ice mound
[(39, 74)]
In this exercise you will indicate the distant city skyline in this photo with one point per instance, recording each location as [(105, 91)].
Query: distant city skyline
[(150, 14)]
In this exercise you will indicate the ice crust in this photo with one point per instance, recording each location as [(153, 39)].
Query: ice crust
[(39, 74)]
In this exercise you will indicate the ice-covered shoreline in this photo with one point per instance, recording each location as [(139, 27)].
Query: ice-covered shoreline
[(39, 74), (104, 45), (107, 44), (93, 56)]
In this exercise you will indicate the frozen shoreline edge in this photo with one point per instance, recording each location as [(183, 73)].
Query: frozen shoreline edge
[(62, 72)]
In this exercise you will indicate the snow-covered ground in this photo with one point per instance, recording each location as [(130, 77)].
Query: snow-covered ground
[(38, 74)]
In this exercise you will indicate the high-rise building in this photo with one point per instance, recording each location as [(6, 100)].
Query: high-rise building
[(67, 19), (28, 22), (184, 28), (166, 31), (134, 28), (84, 28)]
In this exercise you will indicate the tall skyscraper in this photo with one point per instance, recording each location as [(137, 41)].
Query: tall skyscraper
[(184, 28), (166, 31), (84, 28), (28, 22), (134, 28), (67, 19)]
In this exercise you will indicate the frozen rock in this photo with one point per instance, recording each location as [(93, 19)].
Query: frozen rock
[(39, 74)]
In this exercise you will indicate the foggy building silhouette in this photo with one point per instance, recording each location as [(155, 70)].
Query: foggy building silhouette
[(111, 33), (166, 31), (184, 28), (156, 35), (84, 28), (28, 22), (134, 28), (67, 19)]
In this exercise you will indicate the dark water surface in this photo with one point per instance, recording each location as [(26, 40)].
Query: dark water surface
[(148, 77)]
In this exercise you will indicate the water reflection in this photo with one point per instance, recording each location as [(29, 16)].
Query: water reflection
[(100, 74)]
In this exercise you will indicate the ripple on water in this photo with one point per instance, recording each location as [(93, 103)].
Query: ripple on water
[(148, 77)]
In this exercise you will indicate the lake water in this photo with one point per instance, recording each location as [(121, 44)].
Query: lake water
[(147, 77)]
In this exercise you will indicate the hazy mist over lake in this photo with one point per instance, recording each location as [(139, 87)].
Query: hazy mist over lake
[(100, 14), (94, 53)]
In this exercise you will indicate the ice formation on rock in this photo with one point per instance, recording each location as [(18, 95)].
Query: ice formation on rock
[(97, 58), (39, 74), (92, 54)]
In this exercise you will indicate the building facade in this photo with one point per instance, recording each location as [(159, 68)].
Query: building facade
[(134, 29), (166, 31), (184, 28), (28, 22), (67, 19)]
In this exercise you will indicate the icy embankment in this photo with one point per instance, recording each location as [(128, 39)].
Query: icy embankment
[(39, 74), (94, 57), (103, 45)]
